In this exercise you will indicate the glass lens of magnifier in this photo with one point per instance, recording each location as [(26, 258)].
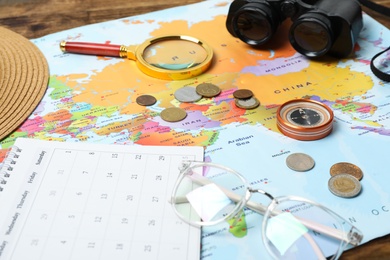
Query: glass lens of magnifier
[(208, 195), (175, 54)]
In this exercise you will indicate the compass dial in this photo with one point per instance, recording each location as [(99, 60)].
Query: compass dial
[(305, 119)]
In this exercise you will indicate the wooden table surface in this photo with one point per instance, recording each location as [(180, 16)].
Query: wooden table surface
[(36, 18)]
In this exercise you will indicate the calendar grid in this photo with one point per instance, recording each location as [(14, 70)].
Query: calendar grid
[(104, 204)]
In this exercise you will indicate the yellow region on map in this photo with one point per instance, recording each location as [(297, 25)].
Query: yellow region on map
[(120, 84)]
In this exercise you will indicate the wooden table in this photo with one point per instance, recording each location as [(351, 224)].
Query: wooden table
[(36, 18)]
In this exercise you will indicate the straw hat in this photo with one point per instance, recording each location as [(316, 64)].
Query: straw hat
[(24, 76)]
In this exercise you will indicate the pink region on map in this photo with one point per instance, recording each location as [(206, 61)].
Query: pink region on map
[(225, 95), (365, 109), (381, 131), (33, 125), (195, 120), (154, 127), (278, 66)]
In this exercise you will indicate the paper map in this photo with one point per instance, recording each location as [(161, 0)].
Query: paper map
[(92, 99)]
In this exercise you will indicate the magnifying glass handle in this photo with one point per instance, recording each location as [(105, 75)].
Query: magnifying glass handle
[(90, 48)]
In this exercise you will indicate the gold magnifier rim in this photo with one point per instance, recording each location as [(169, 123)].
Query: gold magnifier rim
[(167, 74)]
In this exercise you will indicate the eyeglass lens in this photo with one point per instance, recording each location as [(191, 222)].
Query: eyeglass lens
[(202, 195), (292, 228), (287, 237)]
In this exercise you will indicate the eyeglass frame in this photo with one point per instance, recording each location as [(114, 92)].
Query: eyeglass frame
[(353, 237)]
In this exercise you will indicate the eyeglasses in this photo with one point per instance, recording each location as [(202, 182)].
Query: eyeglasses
[(206, 194)]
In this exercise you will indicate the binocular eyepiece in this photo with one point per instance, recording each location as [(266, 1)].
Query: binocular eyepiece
[(319, 26)]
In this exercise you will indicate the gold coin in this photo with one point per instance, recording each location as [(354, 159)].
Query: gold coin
[(146, 100), (349, 168), (243, 94), (173, 114), (344, 185), (208, 90)]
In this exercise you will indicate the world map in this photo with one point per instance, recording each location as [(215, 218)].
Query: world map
[(93, 99)]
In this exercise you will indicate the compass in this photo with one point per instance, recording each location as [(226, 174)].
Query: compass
[(305, 119)]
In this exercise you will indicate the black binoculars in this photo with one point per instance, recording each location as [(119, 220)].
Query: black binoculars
[(318, 27)]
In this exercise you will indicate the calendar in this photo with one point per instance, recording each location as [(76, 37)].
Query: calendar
[(93, 201)]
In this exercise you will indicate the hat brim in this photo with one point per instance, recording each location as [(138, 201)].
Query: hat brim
[(24, 76)]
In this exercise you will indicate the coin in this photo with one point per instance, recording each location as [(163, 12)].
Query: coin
[(146, 100), (208, 90), (243, 94), (173, 114), (345, 167), (299, 162), (344, 185), (249, 103), (187, 94)]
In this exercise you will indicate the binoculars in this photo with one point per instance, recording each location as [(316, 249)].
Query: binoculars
[(318, 27)]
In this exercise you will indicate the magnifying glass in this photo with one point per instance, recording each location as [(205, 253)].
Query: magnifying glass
[(171, 57)]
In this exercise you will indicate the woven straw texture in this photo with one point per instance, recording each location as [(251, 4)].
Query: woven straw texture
[(24, 76)]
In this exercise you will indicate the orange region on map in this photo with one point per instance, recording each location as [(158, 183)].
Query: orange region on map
[(269, 89), (133, 125), (172, 138), (316, 80), (113, 90), (347, 106)]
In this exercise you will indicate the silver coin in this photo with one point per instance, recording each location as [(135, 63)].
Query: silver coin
[(187, 94), (344, 185), (300, 162), (249, 103)]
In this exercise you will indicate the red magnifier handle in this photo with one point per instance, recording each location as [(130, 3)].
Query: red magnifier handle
[(100, 49)]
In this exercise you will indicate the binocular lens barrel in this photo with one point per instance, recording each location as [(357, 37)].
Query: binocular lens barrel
[(254, 24), (253, 27), (311, 36), (318, 27)]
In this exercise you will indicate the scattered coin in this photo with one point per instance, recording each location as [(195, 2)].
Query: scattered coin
[(208, 90), (146, 100), (344, 185), (300, 162), (173, 114), (345, 167), (249, 103), (243, 94), (187, 94)]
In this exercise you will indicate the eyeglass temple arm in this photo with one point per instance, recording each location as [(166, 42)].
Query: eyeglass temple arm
[(261, 209)]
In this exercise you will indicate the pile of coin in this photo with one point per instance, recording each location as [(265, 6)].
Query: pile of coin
[(345, 180), (244, 99), (190, 94)]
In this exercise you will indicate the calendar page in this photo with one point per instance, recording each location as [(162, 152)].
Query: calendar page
[(91, 201)]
